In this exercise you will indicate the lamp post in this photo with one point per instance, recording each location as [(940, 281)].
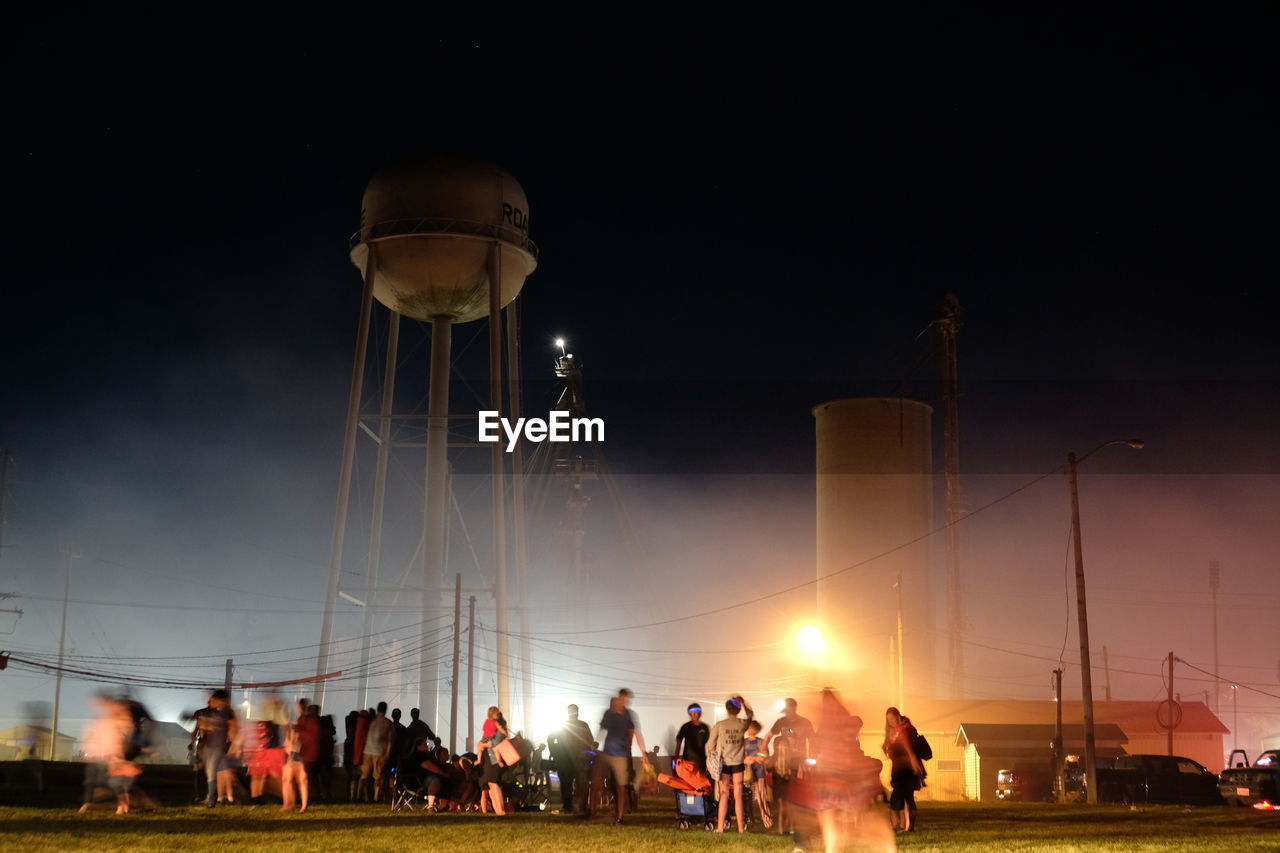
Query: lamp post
[(1086, 673)]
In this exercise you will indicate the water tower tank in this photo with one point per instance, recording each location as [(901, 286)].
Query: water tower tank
[(875, 493), (435, 218)]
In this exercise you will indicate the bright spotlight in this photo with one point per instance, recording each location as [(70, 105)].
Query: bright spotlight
[(560, 343), (811, 642)]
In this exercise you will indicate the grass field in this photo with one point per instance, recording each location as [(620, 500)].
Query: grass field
[(962, 828)]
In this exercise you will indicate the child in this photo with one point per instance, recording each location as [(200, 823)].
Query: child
[(753, 743), (757, 765)]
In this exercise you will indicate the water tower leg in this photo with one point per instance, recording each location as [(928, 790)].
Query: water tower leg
[(344, 474), (520, 551), (379, 504), (498, 477), (436, 520)]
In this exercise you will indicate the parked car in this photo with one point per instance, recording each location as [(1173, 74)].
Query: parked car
[(1245, 784), (1158, 779), (1034, 784)]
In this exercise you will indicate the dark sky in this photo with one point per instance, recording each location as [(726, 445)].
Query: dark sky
[(740, 214)]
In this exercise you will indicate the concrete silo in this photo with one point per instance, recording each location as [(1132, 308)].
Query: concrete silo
[(875, 493), (444, 238)]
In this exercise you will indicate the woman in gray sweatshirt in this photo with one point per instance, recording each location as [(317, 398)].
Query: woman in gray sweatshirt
[(726, 742)]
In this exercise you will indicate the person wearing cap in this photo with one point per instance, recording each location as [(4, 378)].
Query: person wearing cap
[(691, 740), (568, 747)]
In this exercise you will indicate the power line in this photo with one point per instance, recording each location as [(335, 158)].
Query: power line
[(819, 578), (1237, 683)]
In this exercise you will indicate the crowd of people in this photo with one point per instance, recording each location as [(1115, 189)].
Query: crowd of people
[(751, 773)]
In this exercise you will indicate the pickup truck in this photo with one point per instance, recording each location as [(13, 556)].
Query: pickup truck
[(1134, 779), (1244, 784)]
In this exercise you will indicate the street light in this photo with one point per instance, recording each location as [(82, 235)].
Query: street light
[(812, 643), (1086, 672)]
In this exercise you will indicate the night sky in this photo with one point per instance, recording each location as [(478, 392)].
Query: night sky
[(740, 215)]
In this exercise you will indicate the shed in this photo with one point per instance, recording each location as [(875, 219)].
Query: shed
[(1024, 747)]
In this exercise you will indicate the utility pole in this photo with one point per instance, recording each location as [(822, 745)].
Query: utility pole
[(1059, 747), (1235, 717), (1086, 669), (1215, 575), (902, 688), (947, 324), (471, 673), (893, 670), (1106, 668), (457, 654), (1171, 721), (71, 556), (1082, 614), (226, 680)]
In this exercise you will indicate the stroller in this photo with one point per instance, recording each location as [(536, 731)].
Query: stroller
[(693, 795)]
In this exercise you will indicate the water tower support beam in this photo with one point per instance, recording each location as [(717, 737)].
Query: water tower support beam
[(498, 477), (379, 503), (518, 528), (344, 474), (436, 508)]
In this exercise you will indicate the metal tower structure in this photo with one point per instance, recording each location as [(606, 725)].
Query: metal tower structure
[(947, 324)]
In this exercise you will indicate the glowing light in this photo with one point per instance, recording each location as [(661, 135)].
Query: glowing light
[(812, 643), (1265, 806), (560, 342), (780, 705)]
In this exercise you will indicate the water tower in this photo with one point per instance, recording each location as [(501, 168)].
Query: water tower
[(875, 495), (443, 239)]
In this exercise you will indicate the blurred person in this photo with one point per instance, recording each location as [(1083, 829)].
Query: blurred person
[(230, 788), (400, 743), (216, 730), (614, 757), (360, 791), (793, 735), (726, 744), (302, 751), (492, 733), (116, 749), (411, 771), (836, 799), (468, 796), (350, 760), (905, 769), (568, 746), (263, 749), (322, 780), (438, 781), (691, 739), (378, 741), (419, 729), (102, 742)]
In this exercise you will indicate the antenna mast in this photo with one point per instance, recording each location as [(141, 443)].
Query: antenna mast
[(947, 324)]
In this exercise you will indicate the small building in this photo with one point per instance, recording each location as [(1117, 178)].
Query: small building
[(28, 741), (1198, 736), (1026, 749)]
